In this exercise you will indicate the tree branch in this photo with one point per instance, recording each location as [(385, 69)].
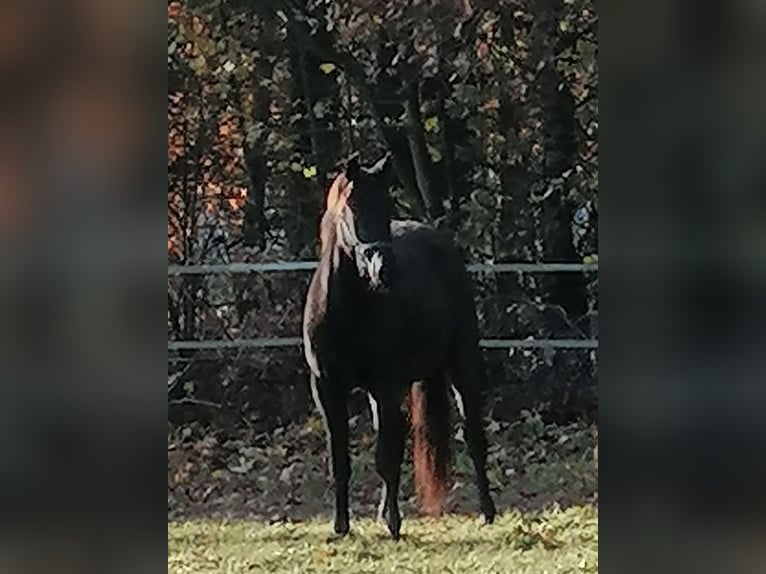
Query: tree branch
[(419, 152)]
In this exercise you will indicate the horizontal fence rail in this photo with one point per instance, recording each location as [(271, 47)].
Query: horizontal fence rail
[(271, 267), (279, 266), (266, 343)]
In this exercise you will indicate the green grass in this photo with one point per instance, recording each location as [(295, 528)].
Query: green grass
[(550, 541)]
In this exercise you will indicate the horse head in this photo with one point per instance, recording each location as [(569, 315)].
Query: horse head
[(358, 220)]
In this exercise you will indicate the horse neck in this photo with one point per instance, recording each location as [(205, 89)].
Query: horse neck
[(344, 275), (341, 284)]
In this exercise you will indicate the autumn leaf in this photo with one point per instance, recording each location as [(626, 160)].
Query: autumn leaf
[(327, 67), (315, 425), (174, 10), (431, 124), (435, 154), (234, 205), (490, 104), (198, 64)]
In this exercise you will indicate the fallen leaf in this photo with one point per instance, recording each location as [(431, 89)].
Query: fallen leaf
[(327, 67), (287, 474), (590, 259), (490, 104)]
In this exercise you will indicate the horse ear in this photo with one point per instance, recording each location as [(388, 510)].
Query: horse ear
[(352, 167)]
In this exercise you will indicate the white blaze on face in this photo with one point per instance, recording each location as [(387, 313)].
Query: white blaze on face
[(374, 267), (459, 401), (374, 412)]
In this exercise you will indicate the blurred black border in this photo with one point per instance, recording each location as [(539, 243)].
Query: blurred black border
[(82, 411), (682, 283)]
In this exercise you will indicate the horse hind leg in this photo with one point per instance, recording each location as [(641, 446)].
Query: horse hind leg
[(469, 379)]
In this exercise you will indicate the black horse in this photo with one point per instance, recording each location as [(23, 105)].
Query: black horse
[(391, 304)]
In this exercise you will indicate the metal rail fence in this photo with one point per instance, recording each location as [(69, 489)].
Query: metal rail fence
[(290, 266)]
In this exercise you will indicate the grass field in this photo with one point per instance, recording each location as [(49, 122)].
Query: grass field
[(261, 503), (552, 541)]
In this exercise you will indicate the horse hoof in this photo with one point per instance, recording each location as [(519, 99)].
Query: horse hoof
[(341, 529), (382, 512), (336, 536), (393, 529), (489, 513)]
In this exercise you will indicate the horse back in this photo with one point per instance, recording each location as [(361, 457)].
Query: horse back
[(436, 293)]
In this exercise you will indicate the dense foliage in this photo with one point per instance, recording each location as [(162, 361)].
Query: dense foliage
[(489, 108)]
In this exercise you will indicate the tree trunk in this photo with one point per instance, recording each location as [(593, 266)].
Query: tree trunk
[(254, 227), (566, 293), (514, 233), (569, 290), (421, 161)]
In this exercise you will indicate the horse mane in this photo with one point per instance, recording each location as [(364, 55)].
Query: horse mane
[(328, 238), (336, 201)]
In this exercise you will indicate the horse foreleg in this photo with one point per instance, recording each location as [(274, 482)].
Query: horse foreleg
[(388, 460), (331, 401)]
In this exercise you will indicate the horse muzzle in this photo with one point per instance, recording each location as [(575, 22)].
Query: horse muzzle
[(378, 267)]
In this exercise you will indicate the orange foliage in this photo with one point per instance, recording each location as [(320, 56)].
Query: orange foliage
[(174, 10)]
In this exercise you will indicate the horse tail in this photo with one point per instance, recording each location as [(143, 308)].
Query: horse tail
[(429, 419)]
